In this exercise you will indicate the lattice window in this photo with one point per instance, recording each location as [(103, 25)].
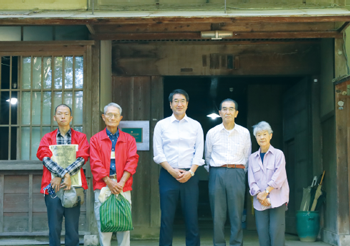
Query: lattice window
[(30, 89)]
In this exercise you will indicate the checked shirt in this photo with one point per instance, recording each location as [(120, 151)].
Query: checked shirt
[(54, 168)]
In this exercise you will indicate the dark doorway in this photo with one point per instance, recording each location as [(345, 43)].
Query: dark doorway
[(259, 98)]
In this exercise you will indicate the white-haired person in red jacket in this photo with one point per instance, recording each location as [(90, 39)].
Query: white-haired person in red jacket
[(113, 162)]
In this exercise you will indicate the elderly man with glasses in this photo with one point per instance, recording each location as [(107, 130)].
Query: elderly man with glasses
[(227, 150), (113, 162)]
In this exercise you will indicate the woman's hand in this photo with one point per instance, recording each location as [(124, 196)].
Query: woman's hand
[(262, 196), (265, 203)]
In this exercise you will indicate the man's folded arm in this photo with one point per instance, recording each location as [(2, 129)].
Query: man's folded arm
[(74, 168), (53, 167)]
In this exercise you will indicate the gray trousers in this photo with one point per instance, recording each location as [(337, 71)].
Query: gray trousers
[(270, 224), (226, 194), (123, 237)]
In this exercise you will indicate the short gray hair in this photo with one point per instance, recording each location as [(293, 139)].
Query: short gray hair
[(262, 126), (112, 105)]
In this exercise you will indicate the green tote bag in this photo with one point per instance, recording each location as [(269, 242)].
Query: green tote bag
[(115, 214)]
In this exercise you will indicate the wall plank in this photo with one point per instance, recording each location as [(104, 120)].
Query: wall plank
[(17, 202), (15, 222), (16, 184), (40, 223), (157, 114)]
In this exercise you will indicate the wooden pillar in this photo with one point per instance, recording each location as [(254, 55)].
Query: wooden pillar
[(342, 113)]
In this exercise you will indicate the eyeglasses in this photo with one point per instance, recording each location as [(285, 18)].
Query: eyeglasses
[(179, 101), (110, 115), (228, 109)]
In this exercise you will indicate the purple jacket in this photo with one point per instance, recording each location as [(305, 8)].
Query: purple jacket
[(271, 172)]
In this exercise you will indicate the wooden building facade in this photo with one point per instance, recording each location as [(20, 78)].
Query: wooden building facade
[(282, 65)]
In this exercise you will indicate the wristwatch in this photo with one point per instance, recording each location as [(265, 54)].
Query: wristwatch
[(267, 191), (192, 173)]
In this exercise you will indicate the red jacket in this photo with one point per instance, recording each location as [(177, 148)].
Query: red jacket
[(44, 151), (126, 158)]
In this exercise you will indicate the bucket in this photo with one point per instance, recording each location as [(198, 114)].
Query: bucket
[(308, 225)]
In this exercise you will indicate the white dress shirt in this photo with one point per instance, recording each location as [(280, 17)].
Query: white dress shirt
[(180, 143), (227, 147)]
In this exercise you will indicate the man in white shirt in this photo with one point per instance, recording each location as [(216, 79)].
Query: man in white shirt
[(227, 150), (178, 147)]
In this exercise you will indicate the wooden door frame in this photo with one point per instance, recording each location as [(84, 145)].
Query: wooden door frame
[(342, 121)]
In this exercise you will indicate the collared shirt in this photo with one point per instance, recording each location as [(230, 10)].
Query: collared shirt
[(179, 142), (114, 138), (227, 147), (54, 168), (270, 172)]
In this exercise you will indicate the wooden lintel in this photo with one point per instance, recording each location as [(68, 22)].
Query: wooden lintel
[(106, 20), (344, 26), (46, 43), (238, 35)]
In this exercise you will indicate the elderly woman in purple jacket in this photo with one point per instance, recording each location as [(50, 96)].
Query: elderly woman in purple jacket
[(269, 186)]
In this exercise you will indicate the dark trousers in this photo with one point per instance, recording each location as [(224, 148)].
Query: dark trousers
[(55, 213), (226, 195), (270, 225), (170, 192)]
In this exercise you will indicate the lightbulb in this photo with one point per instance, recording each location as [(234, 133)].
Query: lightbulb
[(13, 100), (213, 116)]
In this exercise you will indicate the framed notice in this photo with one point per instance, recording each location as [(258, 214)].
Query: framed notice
[(139, 130)]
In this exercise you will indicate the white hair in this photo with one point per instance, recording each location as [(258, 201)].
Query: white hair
[(262, 126), (112, 105)]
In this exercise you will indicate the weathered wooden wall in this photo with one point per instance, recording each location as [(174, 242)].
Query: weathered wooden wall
[(141, 99), (22, 206), (200, 58)]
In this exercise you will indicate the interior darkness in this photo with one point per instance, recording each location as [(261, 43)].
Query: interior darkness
[(9, 76), (205, 95)]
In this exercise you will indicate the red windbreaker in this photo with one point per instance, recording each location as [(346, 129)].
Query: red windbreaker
[(44, 151), (126, 158)]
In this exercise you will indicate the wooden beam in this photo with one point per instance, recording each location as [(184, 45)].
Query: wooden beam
[(195, 27), (107, 20), (91, 29), (196, 35), (343, 27), (46, 43)]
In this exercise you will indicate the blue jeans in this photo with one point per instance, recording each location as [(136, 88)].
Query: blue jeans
[(55, 213)]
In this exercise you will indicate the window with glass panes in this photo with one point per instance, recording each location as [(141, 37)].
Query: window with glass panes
[(30, 89)]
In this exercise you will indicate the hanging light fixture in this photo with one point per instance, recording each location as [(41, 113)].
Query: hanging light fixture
[(216, 35)]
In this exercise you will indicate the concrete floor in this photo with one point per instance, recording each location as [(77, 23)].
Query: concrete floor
[(250, 239)]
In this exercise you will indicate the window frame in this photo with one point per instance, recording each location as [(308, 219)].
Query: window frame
[(47, 49)]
